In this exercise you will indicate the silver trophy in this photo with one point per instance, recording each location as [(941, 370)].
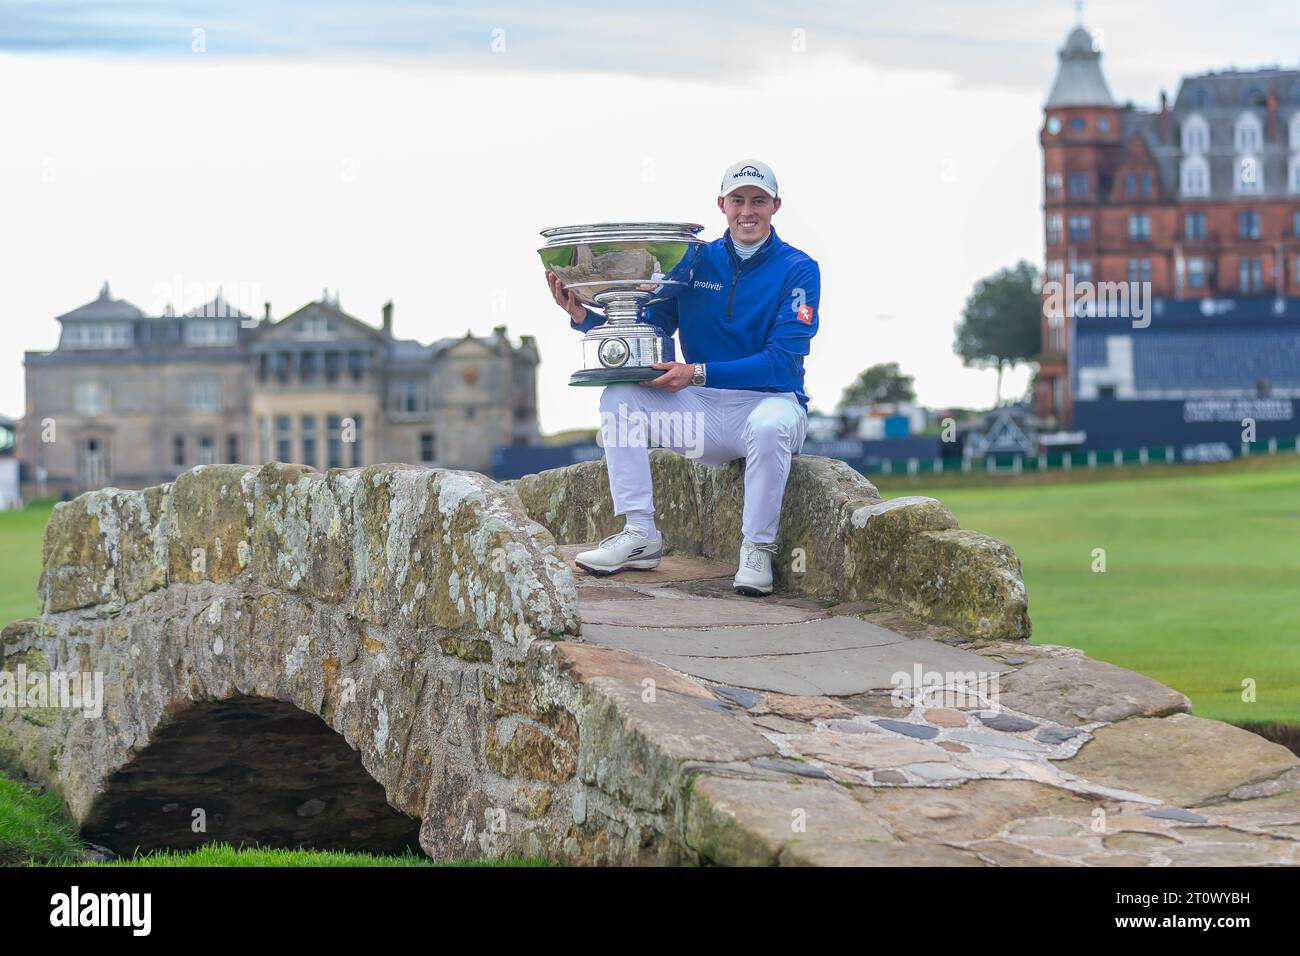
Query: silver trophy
[(620, 268)]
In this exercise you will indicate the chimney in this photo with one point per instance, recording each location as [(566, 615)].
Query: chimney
[(499, 331), (1162, 121), (388, 318), (266, 313)]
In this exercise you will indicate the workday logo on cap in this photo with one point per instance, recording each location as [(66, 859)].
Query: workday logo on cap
[(749, 172)]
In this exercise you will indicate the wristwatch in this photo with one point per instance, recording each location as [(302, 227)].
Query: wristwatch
[(698, 377)]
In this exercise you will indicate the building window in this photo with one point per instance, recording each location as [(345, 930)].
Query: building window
[(1250, 275), (308, 425), (1295, 223), (98, 335), (1130, 184), (354, 435), (283, 438), (1080, 228), (1055, 270), (205, 394), (264, 438), (426, 448), (1054, 229), (206, 334), (1195, 226), (1293, 175), (308, 366), (232, 449), (333, 362), (1139, 270), (408, 397), (178, 451), (1247, 133), (1139, 227), (1146, 184), (1249, 223), (1194, 176), (357, 365), (334, 427), (314, 327), (207, 451), (90, 398), (470, 412), (1103, 124), (280, 367), (1076, 123), (1195, 273), (1196, 134), (1054, 184), (1078, 185)]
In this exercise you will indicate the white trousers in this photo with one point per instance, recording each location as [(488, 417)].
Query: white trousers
[(710, 425)]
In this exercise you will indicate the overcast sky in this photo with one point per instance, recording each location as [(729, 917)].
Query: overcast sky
[(413, 151)]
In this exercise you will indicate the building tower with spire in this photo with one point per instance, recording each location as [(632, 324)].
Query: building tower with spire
[(1081, 150)]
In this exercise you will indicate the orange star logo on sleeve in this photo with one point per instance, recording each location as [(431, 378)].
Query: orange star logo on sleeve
[(805, 314)]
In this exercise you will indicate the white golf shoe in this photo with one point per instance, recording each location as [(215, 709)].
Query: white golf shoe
[(629, 548), (754, 577)]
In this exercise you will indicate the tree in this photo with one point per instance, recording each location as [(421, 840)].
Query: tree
[(999, 327), (880, 383)]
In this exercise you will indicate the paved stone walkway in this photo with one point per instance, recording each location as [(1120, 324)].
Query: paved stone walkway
[(998, 754)]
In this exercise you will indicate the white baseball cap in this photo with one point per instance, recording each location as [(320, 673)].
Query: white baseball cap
[(748, 172)]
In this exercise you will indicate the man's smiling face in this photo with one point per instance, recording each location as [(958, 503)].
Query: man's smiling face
[(749, 213)]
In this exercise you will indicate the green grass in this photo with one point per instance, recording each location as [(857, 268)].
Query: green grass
[(34, 828), (35, 831), (223, 854), (1202, 583), (21, 534)]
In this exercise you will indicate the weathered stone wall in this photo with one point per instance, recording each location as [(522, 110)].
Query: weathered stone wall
[(837, 537), (429, 622), (402, 606)]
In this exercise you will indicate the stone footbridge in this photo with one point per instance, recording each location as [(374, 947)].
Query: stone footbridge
[(392, 657)]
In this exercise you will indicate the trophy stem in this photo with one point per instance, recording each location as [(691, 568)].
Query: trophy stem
[(622, 308)]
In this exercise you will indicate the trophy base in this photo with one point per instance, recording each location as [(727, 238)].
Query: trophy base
[(613, 376)]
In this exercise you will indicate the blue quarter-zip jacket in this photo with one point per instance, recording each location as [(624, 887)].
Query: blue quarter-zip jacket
[(749, 321)]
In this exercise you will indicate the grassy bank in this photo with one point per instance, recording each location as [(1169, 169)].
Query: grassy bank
[(34, 831), (1200, 585)]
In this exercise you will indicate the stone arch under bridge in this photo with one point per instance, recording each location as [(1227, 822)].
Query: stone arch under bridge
[(369, 657)]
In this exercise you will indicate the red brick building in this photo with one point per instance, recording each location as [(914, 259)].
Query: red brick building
[(1200, 198)]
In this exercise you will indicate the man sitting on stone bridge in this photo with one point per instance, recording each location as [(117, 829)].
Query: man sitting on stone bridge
[(746, 322)]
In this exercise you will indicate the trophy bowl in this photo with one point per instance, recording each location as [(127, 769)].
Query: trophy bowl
[(618, 268)]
